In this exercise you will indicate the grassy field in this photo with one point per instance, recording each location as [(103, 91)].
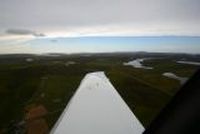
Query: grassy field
[(50, 81)]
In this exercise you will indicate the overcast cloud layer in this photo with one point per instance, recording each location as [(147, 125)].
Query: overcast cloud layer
[(23, 21), (102, 17)]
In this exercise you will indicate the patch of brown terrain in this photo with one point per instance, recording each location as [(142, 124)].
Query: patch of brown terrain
[(35, 112), (35, 121), (38, 126)]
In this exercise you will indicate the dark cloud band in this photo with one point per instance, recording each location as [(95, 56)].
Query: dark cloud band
[(24, 32)]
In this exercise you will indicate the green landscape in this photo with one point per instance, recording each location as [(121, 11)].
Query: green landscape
[(35, 89)]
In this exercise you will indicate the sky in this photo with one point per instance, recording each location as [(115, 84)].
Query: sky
[(39, 26)]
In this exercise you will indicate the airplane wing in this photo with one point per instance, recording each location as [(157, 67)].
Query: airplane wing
[(97, 108)]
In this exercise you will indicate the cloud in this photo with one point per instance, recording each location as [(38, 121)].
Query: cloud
[(54, 40), (24, 32), (160, 16)]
